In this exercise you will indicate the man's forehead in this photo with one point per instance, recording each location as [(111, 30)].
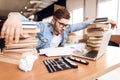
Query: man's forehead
[(63, 20)]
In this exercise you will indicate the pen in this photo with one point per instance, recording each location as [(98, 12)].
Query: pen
[(69, 62), (48, 66), (79, 60)]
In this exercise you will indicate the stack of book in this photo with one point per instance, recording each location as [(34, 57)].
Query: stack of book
[(95, 33), (28, 42), (12, 53)]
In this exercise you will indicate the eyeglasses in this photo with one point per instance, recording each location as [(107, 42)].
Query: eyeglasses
[(62, 24)]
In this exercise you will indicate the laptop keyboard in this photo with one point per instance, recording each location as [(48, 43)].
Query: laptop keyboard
[(91, 54)]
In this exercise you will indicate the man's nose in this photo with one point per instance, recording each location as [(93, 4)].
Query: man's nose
[(63, 28)]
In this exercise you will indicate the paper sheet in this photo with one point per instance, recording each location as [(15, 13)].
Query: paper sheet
[(59, 51)]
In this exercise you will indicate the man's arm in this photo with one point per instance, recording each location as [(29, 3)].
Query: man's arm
[(12, 27)]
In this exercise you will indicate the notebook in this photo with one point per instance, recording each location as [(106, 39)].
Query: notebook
[(92, 54)]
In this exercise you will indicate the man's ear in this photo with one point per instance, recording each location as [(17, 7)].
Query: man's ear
[(53, 21)]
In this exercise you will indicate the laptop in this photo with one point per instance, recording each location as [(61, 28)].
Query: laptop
[(95, 54)]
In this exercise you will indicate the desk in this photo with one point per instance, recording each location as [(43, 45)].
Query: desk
[(115, 38), (106, 63)]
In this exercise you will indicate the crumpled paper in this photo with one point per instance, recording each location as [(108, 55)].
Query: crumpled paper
[(27, 62)]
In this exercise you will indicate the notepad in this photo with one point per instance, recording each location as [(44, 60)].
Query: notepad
[(59, 51)]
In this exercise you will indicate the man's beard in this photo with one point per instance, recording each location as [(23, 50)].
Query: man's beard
[(56, 30)]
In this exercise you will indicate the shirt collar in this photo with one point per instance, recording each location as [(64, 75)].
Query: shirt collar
[(51, 28)]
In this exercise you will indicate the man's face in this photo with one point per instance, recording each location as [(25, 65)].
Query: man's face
[(59, 25)]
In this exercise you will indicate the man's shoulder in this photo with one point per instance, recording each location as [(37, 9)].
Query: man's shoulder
[(44, 25)]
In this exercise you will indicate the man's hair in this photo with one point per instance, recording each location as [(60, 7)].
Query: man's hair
[(61, 13)]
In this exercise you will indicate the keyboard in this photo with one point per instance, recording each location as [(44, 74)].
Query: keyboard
[(91, 54)]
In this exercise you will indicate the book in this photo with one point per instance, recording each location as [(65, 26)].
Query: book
[(103, 19), (31, 30), (29, 24), (20, 45)]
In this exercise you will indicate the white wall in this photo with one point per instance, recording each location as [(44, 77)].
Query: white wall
[(90, 7), (89, 10)]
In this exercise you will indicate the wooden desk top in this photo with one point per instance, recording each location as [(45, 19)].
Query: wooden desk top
[(115, 38), (106, 63)]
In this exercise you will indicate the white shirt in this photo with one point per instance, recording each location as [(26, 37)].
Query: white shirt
[(56, 40)]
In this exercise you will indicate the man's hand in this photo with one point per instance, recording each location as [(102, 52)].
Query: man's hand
[(12, 28), (113, 24)]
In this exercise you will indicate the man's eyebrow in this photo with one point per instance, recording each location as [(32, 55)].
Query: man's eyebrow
[(63, 23)]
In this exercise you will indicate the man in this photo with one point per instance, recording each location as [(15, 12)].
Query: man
[(52, 34)]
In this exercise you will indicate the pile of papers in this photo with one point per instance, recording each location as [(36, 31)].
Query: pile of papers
[(59, 51)]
